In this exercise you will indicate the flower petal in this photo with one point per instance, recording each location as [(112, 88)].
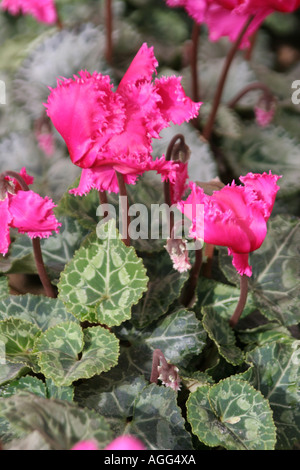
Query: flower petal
[(125, 443), (33, 214), (141, 68), (265, 186), (85, 445), (5, 220), (241, 264), (86, 113), (175, 106), (43, 11), (234, 216)]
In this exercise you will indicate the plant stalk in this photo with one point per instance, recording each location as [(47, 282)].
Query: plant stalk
[(251, 87), (108, 20), (242, 301), (167, 183), (189, 292), (194, 62), (124, 208), (217, 98)]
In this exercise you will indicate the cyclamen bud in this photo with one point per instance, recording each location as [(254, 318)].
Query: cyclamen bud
[(168, 375), (264, 115), (178, 254), (164, 371)]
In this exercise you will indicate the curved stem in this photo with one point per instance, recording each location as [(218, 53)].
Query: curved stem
[(249, 51), (242, 301), (41, 268), (103, 200), (167, 183), (194, 61), (124, 208), (102, 197), (209, 253), (189, 292), (108, 8), (18, 177), (217, 99), (49, 289), (251, 87)]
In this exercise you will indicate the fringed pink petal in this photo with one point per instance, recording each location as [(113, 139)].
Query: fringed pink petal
[(195, 8), (101, 178), (5, 220), (241, 264), (266, 188), (33, 214), (175, 106), (43, 10), (142, 67), (86, 113)]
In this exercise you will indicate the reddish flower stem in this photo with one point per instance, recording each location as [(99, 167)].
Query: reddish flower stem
[(124, 208), (194, 62), (191, 285), (249, 51), (242, 301), (49, 289), (102, 197), (167, 183), (59, 23), (217, 98), (108, 20), (252, 86), (41, 268)]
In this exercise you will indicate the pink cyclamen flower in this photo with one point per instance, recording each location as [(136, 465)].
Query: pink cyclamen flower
[(264, 116), (26, 211), (235, 216), (228, 17), (42, 10), (108, 131), (120, 443), (46, 142)]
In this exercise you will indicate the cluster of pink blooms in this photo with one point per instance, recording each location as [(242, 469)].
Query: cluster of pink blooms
[(42, 10), (26, 211), (228, 17), (125, 442), (110, 131)]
